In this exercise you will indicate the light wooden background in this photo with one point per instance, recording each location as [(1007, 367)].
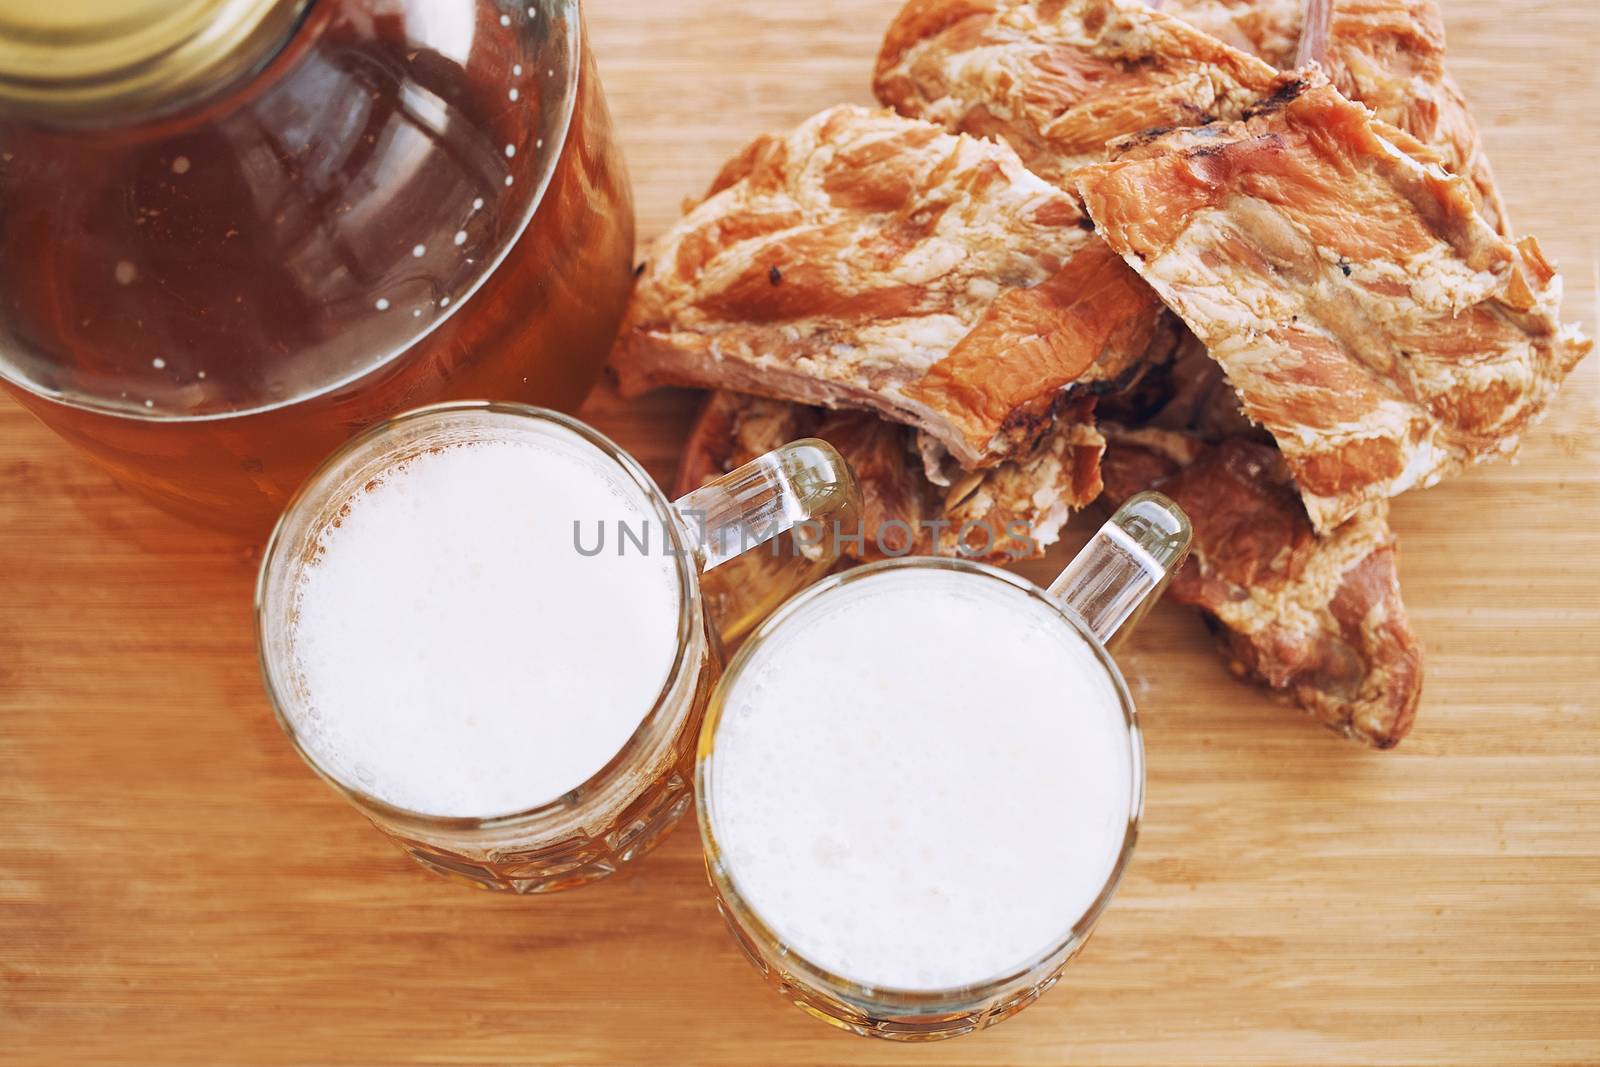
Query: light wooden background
[(175, 887)]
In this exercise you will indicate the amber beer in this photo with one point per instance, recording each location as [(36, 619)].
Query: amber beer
[(208, 301)]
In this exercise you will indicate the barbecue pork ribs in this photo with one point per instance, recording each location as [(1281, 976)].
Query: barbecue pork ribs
[(1318, 617), (1364, 310), (873, 262)]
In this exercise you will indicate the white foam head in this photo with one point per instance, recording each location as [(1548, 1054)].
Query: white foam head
[(455, 653), (922, 780)]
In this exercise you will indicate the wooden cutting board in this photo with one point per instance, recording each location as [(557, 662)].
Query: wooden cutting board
[(175, 887)]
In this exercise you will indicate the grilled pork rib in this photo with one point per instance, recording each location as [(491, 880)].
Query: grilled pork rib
[(868, 261), (1362, 308), (1387, 54), (1011, 511), (1269, 29), (1057, 80), (1317, 617), (1008, 512)]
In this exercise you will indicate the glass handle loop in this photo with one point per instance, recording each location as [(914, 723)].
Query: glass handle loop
[(802, 483), (1123, 569)]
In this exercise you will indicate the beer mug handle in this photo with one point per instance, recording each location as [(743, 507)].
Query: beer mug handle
[(804, 482), (1113, 581)]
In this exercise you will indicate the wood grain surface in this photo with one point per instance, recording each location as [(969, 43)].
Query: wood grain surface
[(175, 887)]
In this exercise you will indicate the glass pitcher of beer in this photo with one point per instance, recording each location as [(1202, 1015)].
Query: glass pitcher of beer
[(239, 231), (919, 782), (482, 624)]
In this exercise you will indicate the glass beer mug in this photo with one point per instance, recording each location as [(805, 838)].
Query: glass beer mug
[(919, 782), (482, 624), (238, 231)]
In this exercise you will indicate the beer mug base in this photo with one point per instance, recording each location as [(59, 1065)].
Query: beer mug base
[(909, 1026), (571, 863)]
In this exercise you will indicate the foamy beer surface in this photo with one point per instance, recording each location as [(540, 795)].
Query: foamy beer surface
[(459, 656), (921, 780)]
